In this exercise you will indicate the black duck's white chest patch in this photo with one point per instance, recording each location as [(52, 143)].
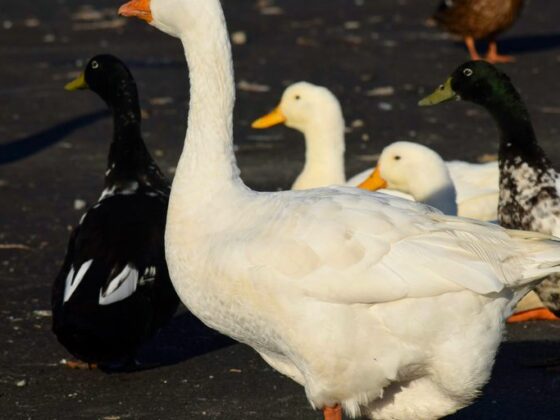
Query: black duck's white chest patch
[(528, 197), (124, 189)]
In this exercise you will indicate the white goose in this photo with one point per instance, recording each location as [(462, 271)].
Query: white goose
[(373, 303), (316, 112)]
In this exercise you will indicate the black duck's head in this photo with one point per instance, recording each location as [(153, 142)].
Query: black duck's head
[(475, 81), (107, 76)]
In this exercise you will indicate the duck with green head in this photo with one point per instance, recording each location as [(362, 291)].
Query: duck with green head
[(529, 196)]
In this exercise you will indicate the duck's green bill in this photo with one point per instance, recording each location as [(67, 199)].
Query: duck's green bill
[(444, 93), (77, 84)]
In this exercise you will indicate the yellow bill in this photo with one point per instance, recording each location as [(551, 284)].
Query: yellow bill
[(274, 118), (374, 182), (444, 93), (77, 84)]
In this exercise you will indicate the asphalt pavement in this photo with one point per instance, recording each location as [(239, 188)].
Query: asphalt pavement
[(53, 147)]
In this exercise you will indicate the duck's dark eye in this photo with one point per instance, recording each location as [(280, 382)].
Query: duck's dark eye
[(468, 72), (94, 65), (397, 157), (297, 97), (441, 87)]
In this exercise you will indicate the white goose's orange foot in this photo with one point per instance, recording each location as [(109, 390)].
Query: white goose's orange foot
[(539, 314), (80, 365), (332, 413)]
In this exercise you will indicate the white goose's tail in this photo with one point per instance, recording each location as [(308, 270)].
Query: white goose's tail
[(542, 254)]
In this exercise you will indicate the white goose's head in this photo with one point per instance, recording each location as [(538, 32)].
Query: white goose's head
[(416, 170), (170, 16), (302, 107)]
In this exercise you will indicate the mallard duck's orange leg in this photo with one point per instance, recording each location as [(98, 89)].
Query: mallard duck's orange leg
[(80, 365), (539, 314), (471, 46), (493, 57), (333, 413)]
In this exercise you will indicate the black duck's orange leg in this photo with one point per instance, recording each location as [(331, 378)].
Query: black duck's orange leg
[(539, 314), (494, 57), (471, 46), (80, 365), (332, 413)]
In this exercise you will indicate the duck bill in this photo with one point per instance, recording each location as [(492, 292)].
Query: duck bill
[(274, 118), (374, 182), (77, 84), (442, 94), (137, 8)]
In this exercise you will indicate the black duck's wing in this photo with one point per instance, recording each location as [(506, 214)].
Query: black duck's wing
[(115, 256)]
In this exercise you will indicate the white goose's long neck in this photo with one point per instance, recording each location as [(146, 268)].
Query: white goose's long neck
[(207, 165), (324, 157)]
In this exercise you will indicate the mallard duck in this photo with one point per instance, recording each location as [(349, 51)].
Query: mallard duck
[(529, 196), (479, 19), (373, 303), (113, 291), (316, 112)]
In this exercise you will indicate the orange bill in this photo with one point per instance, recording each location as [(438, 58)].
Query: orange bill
[(274, 118), (137, 8), (374, 182)]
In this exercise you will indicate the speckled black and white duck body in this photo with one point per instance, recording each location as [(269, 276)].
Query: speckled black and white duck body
[(529, 185), (113, 291)]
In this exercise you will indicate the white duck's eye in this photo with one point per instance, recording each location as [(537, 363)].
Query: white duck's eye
[(468, 72), (94, 65), (297, 97), (397, 157)]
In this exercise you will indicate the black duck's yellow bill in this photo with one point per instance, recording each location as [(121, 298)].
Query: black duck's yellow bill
[(374, 182), (444, 93), (274, 118), (77, 84)]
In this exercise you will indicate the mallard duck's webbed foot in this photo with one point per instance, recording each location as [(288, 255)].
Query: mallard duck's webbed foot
[(333, 413), (539, 314), (494, 57), (471, 46), (77, 364)]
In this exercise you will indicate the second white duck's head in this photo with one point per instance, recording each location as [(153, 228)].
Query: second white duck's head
[(304, 107), (416, 170)]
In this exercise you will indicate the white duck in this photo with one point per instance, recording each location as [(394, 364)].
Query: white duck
[(373, 303), (420, 172), (316, 112)]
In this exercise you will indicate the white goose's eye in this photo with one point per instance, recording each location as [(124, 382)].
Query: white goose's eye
[(468, 72), (94, 65), (297, 97)]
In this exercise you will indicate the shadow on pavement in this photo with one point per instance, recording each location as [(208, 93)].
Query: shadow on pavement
[(185, 337), (516, 389), (22, 148), (529, 43)]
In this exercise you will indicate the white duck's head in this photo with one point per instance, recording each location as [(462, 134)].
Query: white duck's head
[(416, 170), (173, 17), (304, 106)]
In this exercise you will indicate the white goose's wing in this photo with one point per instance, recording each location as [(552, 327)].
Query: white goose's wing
[(342, 245)]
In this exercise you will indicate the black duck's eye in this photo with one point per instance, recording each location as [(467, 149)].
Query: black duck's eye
[(397, 157), (468, 72), (94, 65), (297, 97)]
